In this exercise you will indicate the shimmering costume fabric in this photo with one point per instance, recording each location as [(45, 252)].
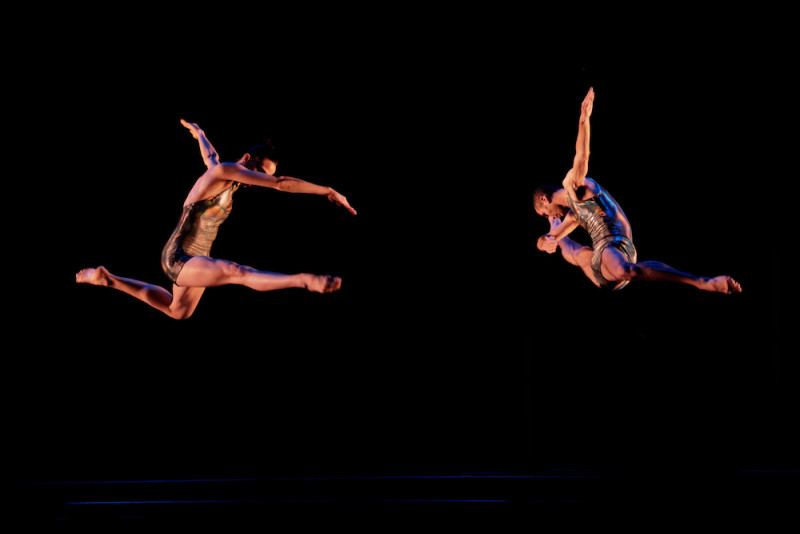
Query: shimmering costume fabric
[(607, 225), (196, 231)]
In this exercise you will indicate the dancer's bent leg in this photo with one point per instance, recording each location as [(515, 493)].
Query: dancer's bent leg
[(578, 255), (180, 304), (616, 267)]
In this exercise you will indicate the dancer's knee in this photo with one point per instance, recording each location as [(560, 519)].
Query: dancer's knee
[(233, 273), (180, 313)]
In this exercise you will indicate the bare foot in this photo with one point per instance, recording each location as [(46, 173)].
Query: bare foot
[(323, 283), (722, 284), (97, 277)]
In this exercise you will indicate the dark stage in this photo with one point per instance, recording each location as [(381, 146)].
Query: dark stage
[(457, 363)]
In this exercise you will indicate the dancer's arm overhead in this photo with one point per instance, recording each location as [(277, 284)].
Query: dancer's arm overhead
[(210, 156), (576, 177)]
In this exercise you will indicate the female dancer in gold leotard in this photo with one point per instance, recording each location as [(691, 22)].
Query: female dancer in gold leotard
[(186, 259)]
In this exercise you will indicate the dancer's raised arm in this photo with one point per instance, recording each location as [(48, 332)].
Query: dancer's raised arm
[(210, 156), (576, 177)]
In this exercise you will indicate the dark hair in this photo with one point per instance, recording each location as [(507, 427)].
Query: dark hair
[(259, 152), (547, 190)]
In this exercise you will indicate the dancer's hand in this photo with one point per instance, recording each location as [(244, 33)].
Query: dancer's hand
[(193, 128), (587, 105), (547, 243), (340, 200)]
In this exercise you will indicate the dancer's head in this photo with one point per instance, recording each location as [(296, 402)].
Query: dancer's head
[(543, 202), (261, 158)]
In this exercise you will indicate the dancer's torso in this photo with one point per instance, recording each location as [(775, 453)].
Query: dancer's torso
[(200, 222), (601, 216)]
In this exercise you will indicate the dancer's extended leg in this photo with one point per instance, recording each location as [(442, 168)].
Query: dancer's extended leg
[(616, 267), (202, 271)]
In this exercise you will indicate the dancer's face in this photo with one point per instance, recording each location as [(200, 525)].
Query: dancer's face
[(549, 209)]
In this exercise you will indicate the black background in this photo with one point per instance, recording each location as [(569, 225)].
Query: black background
[(454, 345)]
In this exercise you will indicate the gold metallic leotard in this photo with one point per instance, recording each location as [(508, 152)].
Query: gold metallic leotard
[(196, 231), (607, 225)]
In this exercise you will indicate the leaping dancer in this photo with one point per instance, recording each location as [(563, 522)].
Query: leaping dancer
[(611, 261), (185, 258)]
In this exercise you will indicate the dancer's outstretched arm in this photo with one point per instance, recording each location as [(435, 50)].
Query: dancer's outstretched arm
[(210, 156), (238, 173), (576, 177)]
